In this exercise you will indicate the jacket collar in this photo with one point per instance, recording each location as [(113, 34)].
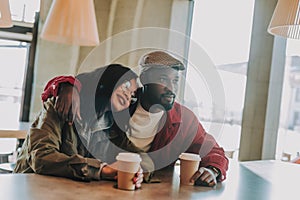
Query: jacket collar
[(174, 115)]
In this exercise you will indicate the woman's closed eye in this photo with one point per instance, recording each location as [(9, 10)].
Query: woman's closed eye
[(133, 98)]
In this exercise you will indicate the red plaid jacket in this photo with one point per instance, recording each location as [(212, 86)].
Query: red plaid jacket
[(180, 132)]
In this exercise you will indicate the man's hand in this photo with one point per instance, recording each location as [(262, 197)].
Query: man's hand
[(205, 177), (68, 103)]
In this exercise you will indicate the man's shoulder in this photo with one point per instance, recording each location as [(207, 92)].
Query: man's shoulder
[(177, 107), (181, 111)]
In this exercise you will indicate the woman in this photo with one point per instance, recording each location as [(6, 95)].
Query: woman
[(53, 147)]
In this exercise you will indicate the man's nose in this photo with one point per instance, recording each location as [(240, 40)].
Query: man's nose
[(171, 86)]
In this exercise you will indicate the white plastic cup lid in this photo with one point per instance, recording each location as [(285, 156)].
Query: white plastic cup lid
[(190, 156), (129, 157)]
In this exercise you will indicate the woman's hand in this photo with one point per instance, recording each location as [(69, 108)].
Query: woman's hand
[(68, 102), (108, 173), (138, 179)]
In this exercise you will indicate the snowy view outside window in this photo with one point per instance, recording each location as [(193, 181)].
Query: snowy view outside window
[(223, 32)]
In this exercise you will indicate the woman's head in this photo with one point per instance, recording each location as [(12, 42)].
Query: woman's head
[(110, 87), (123, 95)]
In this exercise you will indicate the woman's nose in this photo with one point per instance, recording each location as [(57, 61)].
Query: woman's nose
[(127, 95)]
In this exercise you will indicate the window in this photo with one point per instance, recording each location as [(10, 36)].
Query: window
[(222, 29), (289, 127), (15, 44), (297, 98), (24, 10), (13, 56)]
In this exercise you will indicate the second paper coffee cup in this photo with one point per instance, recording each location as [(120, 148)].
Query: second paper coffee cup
[(189, 164)]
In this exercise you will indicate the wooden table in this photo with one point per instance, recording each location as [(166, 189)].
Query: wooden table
[(10, 131), (259, 180), (14, 129)]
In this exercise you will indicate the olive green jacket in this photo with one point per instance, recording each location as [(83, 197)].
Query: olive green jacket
[(53, 147)]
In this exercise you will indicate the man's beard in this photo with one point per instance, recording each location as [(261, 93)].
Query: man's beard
[(166, 102)]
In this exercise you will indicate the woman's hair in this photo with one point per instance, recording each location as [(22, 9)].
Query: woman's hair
[(98, 86)]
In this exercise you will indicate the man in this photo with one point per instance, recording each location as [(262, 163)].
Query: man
[(162, 127)]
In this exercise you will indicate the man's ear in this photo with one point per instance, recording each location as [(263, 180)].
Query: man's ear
[(143, 78)]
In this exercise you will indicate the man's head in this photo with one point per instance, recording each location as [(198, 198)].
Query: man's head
[(160, 77)]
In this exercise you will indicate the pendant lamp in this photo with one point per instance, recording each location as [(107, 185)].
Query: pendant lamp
[(5, 16), (71, 22), (285, 21)]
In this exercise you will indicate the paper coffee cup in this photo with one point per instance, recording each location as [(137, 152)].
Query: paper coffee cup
[(128, 165), (189, 164)]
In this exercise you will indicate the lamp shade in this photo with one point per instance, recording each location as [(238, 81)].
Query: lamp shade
[(71, 22), (285, 21), (5, 16)]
